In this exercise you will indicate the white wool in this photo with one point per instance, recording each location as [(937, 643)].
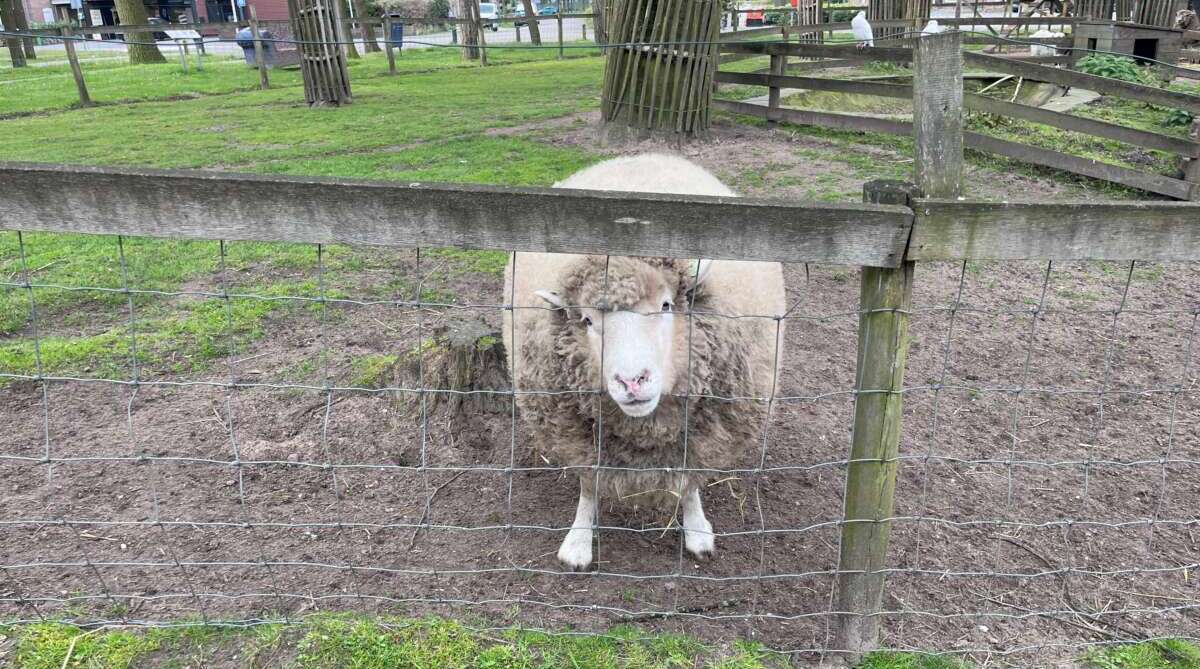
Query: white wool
[(648, 173), (1044, 49)]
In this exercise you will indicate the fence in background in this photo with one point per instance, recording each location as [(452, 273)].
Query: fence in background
[(897, 229), (775, 79)]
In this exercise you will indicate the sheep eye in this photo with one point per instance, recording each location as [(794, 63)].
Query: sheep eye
[(666, 306), (587, 321)]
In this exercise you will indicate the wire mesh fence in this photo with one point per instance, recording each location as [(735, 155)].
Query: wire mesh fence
[(269, 438)]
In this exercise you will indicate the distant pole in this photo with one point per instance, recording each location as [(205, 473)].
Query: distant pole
[(560, 32), (85, 100), (387, 40), (259, 60)]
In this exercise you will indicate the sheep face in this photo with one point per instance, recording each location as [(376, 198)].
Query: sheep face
[(625, 311)]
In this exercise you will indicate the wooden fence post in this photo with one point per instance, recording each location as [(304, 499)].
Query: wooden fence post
[(583, 24), (387, 41), (938, 114), (773, 90), (884, 302), (560, 31), (85, 100), (883, 347), (259, 57)]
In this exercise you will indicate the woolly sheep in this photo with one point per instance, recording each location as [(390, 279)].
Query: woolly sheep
[(617, 323)]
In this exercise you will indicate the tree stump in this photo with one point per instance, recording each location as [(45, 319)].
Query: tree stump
[(467, 359)]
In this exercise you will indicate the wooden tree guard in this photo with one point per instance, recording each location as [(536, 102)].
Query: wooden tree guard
[(322, 61), (1159, 13), (914, 11), (658, 75)]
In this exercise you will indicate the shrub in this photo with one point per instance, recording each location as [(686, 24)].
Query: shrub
[(1113, 67)]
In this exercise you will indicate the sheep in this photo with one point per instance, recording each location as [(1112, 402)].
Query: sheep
[(584, 323)]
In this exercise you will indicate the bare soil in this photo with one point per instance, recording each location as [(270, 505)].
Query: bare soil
[(1029, 524)]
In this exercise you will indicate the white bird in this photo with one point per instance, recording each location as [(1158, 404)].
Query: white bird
[(862, 30), (932, 28)]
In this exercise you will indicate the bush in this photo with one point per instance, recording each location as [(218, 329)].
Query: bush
[(415, 8), (1113, 67)]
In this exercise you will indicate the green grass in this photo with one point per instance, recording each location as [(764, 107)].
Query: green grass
[(337, 641), (422, 126), (1161, 654), (51, 88)]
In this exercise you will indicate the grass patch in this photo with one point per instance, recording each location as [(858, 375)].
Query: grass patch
[(1160, 654), (484, 262), (896, 660), (335, 641)]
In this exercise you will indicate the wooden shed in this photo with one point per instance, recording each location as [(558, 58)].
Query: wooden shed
[(1140, 41)]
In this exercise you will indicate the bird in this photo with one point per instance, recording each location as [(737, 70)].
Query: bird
[(932, 28), (862, 30)]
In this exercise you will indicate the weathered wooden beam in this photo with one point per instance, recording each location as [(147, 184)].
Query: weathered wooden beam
[(823, 119), (844, 51), (816, 84), (938, 114), (1120, 133), (215, 205), (1089, 82), (954, 230), (1153, 183)]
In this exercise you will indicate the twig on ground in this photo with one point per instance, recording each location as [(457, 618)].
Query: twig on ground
[(412, 541)]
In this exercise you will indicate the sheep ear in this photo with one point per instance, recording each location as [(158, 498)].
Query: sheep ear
[(554, 299)]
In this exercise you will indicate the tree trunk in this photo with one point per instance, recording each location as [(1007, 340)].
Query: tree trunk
[(468, 33), (535, 34), (8, 14), (600, 21), (345, 32), (368, 31), (22, 23), (133, 12)]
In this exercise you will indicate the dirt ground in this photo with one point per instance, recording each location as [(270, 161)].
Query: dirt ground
[(1029, 524)]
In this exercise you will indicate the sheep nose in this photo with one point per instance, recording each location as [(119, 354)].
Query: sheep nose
[(633, 384)]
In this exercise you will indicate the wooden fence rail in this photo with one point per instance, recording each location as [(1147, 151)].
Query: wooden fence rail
[(774, 80)]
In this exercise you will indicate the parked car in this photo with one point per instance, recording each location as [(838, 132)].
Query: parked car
[(519, 16), (489, 15), (548, 10), (754, 17)]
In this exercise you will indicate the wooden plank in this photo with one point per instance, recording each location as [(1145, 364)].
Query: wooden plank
[(1142, 138), (938, 114), (1153, 183), (821, 119), (1090, 82), (816, 84), (844, 51), (1087, 230), (215, 205), (885, 301)]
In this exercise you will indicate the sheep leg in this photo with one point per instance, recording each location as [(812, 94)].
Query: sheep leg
[(697, 531), (576, 549)]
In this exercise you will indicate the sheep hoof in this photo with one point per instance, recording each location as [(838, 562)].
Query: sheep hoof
[(700, 542), (576, 551)]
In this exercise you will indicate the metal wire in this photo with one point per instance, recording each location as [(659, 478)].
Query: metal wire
[(262, 592)]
